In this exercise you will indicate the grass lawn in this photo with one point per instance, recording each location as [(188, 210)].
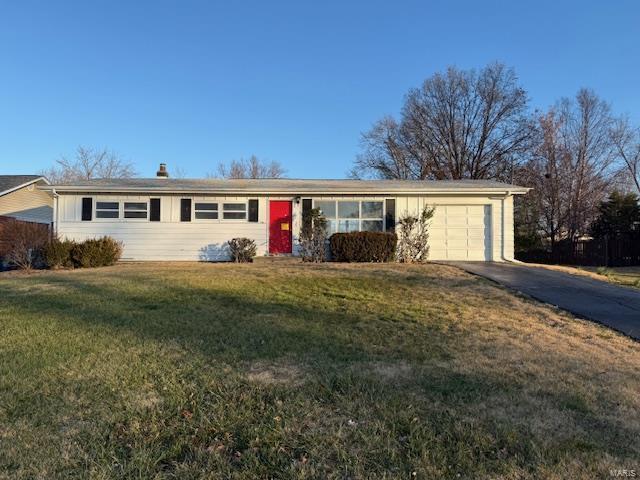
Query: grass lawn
[(629, 276), (286, 370)]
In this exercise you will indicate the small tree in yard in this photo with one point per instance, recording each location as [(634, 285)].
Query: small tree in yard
[(23, 242), (413, 236), (619, 214), (313, 236), (242, 250)]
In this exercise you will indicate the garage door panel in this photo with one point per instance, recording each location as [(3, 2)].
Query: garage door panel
[(436, 254), (476, 245), (476, 221), (457, 221), (476, 233), (476, 209), (460, 210), (457, 254), (454, 243), (439, 219)]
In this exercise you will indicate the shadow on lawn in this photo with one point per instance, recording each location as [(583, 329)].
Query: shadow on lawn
[(231, 327), (234, 328)]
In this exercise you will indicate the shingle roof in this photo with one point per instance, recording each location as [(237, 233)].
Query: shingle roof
[(9, 182), (287, 186)]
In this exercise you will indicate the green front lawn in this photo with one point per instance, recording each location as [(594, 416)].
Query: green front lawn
[(286, 370)]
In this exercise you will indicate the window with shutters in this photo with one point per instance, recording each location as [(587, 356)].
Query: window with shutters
[(206, 211), (135, 210), (234, 211), (107, 209)]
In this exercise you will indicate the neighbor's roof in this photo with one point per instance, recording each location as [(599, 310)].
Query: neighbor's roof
[(9, 183), (286, 186)]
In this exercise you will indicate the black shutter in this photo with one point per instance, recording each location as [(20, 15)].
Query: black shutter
[(154, 210), (253, 210), (306, 210), (390, 219), (87, 209), (185, 210)]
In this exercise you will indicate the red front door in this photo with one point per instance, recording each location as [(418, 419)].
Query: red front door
[(280, 227)]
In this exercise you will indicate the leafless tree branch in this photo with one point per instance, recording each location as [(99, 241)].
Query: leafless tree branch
[(89, 163), (460, 124), (249, 168)]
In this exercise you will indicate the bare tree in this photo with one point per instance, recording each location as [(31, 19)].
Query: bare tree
[(543, 210), (460, 124), (571, 168), (627, 143), (250, 168), (179, 172), (89, 163), (385, 154), (586, 135)]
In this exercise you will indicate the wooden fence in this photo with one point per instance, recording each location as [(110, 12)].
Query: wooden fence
[(612, 251)]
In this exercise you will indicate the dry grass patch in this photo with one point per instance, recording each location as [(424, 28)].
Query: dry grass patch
[(275, 374)]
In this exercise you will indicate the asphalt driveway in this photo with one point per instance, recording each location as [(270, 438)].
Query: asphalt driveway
[(615, 306)]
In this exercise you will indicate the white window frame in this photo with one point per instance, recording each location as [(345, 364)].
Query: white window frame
[(337, 217), (205, 220), (374, 219), (106, 219), (348, 219), (141, 219), (237, 220)]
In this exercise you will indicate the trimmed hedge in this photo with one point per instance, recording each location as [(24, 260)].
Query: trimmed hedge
[(96, 252), (57, 253), (363, 246)]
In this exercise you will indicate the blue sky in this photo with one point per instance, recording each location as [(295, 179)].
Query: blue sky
[(195, 83)]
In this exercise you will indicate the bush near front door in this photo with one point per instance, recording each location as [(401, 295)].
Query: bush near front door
[(363, 246)]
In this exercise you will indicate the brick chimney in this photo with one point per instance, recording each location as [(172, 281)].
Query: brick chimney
[(162, 171)]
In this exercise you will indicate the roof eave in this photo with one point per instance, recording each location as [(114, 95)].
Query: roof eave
[(26, 184), (203, 191)]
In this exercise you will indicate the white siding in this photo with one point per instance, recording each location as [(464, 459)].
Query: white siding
[(29, 204), (471, 227), (169, 239)]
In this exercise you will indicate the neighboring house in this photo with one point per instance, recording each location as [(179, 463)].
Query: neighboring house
[(21, 198), (178, 219)]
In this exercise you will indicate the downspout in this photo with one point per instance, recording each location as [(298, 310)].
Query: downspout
[(504, 256), (55, 212)]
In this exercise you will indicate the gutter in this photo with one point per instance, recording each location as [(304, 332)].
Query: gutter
[(143, 190)]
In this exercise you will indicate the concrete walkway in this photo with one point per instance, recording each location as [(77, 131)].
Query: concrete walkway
[(614, 306)]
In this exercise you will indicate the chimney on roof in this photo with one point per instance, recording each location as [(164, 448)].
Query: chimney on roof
[(162, 171)]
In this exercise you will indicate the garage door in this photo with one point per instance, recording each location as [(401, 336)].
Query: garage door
[(460, 232)]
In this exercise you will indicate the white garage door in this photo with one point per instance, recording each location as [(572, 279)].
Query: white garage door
[(460, 232)]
